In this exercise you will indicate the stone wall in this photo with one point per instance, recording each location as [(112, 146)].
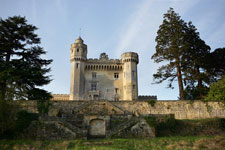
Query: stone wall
[(181, 109)]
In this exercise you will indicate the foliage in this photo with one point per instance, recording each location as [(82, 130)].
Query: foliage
[(43, 106), (18, 122), (169, 123), (206, 127), (151, 120), (215, 64), (183, 52), (170, 47), (22, 69), (23, 120), (159, 143), (196, 78), (217, 90), (193, 93), (7, 118), (151, 102)]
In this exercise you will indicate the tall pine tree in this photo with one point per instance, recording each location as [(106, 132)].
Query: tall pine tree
[(180, 45), (22, 70), (170, 48), (196, 78)]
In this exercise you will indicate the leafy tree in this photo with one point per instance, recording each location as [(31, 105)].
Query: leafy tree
[(217, 90), (22, 70), (170, 48)]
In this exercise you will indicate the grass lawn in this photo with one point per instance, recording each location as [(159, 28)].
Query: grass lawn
[(159, 143)]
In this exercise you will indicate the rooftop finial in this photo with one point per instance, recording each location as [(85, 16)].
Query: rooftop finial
[(80, 32)]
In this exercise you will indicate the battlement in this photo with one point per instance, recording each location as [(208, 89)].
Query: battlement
[(114, 79), (105, 61), (130, 57)]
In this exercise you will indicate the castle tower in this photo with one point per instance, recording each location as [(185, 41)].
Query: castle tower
[(78, 56), (130, 83)]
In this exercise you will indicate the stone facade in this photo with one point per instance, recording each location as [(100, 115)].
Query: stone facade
[(181, 109), (103, 78), (91, 119)]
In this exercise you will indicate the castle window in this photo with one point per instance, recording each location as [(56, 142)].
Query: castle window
[(77, 49), (116, 90), (116, 75), (93, 75), (133, 74), (93, 86), (134, 86), (77, 65)]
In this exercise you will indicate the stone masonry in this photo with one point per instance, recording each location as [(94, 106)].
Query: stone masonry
[(98, 118), (103, 78)]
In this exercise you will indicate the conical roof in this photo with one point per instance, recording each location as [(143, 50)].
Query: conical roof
[(79, 40)]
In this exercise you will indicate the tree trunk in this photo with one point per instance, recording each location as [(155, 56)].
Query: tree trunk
[(180, 82), (200, 86), (2, 91)]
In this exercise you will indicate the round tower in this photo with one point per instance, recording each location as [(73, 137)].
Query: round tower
[(130, 79), (78, 56)]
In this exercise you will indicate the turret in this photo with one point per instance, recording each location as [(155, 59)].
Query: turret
[(130, 79), (78, 56)]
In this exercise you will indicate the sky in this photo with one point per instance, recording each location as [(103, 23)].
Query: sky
[(114, 27)]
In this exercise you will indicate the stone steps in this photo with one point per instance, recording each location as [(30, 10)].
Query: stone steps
[(67, 126), (122, 126)]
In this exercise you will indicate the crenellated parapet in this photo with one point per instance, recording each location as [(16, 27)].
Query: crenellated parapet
[(130, 57), (103, 78), (107, 67)]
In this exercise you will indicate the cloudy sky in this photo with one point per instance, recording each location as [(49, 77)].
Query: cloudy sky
[(114, 27)]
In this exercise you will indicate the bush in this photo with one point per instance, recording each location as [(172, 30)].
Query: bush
[(7, 118), (152, 102), (23, 120), (43, 106), (217, 90), (151, 120)]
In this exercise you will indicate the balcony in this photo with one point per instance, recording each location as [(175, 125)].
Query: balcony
[(93, 92)]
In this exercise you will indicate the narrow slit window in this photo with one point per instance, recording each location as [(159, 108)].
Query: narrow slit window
[(94, 75), (116, 90)]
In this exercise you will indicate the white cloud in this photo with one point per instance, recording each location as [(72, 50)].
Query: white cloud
[(133, 26)]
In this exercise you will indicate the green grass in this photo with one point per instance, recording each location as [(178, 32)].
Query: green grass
[(160, 143)]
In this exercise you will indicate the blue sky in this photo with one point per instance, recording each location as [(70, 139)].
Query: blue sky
[(114, 27)]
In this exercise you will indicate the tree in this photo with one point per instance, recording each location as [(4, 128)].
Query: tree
[(217, 90), (212, 68), (215, 64), (196, 78), (170, 47), (22, 70)]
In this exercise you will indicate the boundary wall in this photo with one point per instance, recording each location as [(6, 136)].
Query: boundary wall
[(181, 109)]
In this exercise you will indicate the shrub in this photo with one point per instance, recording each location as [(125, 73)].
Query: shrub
[(23, 120), (217, 90)]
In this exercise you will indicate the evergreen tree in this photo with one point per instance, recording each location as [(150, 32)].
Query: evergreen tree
[(196, 78), (22, 70), (170, 48), (215, 64)]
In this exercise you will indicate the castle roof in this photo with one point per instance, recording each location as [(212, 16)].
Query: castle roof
[(79, 40)]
